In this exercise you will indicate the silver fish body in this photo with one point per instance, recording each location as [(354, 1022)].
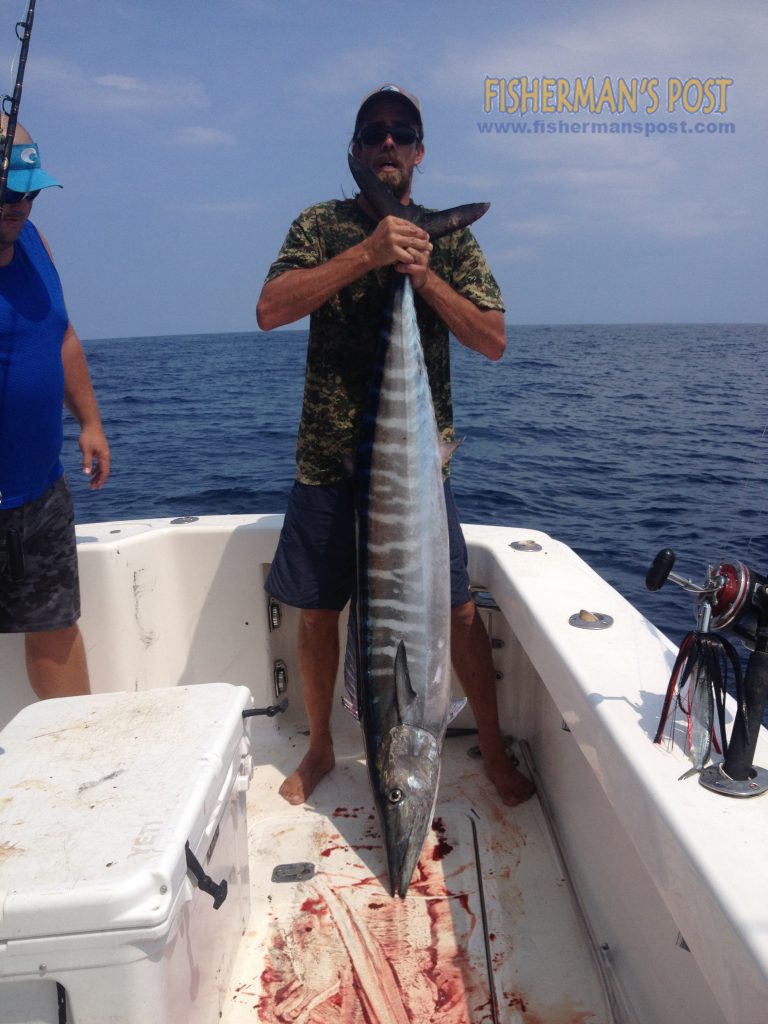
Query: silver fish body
[(403, 601)]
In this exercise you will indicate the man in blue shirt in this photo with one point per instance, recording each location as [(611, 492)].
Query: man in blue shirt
[(42, 368)]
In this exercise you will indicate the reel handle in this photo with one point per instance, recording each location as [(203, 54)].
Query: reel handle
[(661, 567)]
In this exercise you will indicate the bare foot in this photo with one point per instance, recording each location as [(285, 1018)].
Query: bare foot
[(512, 786), (298, 786)]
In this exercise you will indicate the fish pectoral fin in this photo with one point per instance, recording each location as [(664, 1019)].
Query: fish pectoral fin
[(351, 706), (405, 695), (456, 706), (447, 448), (350, 697)]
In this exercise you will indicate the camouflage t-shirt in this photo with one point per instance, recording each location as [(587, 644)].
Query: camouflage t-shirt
[(344, 331)]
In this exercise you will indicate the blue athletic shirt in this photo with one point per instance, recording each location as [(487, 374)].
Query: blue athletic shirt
[(33, 319)]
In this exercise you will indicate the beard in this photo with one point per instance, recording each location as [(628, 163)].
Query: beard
[(395, 177)]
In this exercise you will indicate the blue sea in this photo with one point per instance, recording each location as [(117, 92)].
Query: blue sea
[(617, 440)]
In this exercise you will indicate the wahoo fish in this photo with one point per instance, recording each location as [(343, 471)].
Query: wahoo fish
[(398, 665), (403, 656)]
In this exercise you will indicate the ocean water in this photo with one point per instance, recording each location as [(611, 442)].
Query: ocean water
[(617, 440)]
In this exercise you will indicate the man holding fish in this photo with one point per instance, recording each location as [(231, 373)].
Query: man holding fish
[(335, 266)]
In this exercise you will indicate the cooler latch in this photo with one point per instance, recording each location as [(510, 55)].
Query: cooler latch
[(204, 882)]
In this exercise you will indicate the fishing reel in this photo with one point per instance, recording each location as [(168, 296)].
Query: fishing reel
[(732, 599)]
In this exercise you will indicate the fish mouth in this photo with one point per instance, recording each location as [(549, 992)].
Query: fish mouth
[(402, 860), (407, 776)]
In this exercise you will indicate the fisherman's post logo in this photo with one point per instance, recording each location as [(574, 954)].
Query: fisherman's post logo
[(687, 102)]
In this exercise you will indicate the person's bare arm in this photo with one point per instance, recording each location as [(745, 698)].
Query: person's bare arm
[(80, 399), (479, 329)]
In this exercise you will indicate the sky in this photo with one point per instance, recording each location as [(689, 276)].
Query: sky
[(189, 135)]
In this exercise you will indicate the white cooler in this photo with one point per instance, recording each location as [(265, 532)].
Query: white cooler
[(101, 919)]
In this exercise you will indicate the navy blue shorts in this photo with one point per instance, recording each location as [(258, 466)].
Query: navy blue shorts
[(314, 565)]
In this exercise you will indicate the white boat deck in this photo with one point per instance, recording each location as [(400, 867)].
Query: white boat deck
[(487, 933), (670, 873)]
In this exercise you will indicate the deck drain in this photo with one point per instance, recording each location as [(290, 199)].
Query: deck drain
[(301, 871)]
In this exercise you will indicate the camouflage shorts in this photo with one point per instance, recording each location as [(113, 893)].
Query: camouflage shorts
[(39, 587)]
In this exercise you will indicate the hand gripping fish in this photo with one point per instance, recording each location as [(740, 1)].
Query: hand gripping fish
[(401, 655)]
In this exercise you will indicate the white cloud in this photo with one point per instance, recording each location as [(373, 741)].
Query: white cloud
[(537, 227), (476, 180), (692, 38), (199, 135), (515, 254), (338, 74), (68, 85)]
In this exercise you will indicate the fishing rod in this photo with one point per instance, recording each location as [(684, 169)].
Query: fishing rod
[(23, 33)]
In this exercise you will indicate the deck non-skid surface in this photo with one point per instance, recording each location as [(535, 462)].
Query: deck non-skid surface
[(487, 932)]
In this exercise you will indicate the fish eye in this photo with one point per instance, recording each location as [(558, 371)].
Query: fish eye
[(395, 796)]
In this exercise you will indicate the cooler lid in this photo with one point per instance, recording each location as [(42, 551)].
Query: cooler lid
[(98, 796)]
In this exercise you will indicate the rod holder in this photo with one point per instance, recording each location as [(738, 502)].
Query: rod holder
[(737, 775)]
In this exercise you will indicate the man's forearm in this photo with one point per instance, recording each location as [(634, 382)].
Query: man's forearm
[(479, 329), (297, 293), (79, 396)]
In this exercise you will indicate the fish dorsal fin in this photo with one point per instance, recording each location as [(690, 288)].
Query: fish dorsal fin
[(456, 706), (405, 695), (385, 204)]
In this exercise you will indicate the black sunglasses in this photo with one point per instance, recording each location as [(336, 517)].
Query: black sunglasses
[(402, 134), (12, 197)]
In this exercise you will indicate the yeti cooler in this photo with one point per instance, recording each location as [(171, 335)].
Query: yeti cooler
[(124, 884)]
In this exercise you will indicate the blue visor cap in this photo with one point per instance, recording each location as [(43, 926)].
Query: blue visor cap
[(24, 171)]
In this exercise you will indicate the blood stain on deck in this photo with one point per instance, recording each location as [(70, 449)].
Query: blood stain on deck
[(347, 958)]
